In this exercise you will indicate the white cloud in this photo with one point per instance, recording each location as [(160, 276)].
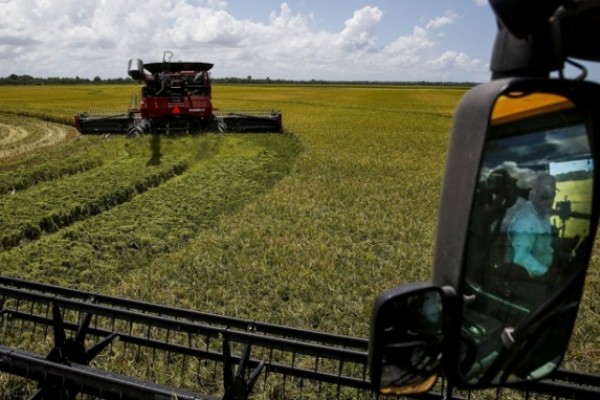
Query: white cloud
[(359, 31), (218, 27), (74, 38), (450, 59), (446, 19), (481, 3), (410, 44)]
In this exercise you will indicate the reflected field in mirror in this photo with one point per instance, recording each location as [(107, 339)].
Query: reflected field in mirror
[(406, 340)]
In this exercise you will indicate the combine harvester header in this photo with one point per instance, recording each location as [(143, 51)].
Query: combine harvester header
[(176, 97)]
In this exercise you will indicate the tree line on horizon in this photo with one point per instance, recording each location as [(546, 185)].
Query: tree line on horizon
[(14, 79)]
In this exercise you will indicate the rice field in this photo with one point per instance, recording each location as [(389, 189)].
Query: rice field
[(303, 228)]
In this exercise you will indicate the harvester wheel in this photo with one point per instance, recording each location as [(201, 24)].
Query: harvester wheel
[(138, 127), (221, 125)]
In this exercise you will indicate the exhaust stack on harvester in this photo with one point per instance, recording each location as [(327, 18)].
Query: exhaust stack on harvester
[(176, 96), (135, 69)]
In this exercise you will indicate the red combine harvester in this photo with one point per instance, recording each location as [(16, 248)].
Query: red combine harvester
[(176, 97)]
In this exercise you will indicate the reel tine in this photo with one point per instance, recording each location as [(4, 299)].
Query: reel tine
[(254, 376), (59, 332), (227, 366), (83, 327), (243, 361), (236, 387), (93, 351), (38, 395)]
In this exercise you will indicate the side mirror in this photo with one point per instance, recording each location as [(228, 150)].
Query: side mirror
[(518, 216), (405, 346)]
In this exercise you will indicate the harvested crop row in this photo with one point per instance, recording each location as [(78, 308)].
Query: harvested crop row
[(79, 147), (21, 135), (22, 179), (101, 249), (48, 208)]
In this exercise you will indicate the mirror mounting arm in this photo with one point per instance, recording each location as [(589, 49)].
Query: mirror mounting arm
[(533, 56)]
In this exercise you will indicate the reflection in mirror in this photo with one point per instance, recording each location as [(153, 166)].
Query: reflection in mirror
[(406, 340), (528, 237)]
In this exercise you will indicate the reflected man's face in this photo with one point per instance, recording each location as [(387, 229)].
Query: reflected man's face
[(542, 195)]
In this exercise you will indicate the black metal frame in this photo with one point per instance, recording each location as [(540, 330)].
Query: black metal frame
[(335, 360), (288, 361)]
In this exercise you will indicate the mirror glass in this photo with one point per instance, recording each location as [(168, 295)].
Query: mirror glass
[(406, 340), (529, 235)]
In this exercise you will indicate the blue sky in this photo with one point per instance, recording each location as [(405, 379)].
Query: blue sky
[(386, 40)]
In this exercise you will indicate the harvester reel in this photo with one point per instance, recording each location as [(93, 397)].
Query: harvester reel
[(67, 351), (295, 363)]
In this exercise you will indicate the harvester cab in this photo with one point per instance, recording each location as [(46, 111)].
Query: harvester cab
[(176, 97), (518, 216)]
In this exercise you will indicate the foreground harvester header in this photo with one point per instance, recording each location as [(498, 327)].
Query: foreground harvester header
[(176, 97)]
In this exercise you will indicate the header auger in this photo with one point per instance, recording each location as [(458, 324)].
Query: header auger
[(176, 97)]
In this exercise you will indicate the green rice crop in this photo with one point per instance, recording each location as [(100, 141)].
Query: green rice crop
[(51, 206), (303, 228)]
